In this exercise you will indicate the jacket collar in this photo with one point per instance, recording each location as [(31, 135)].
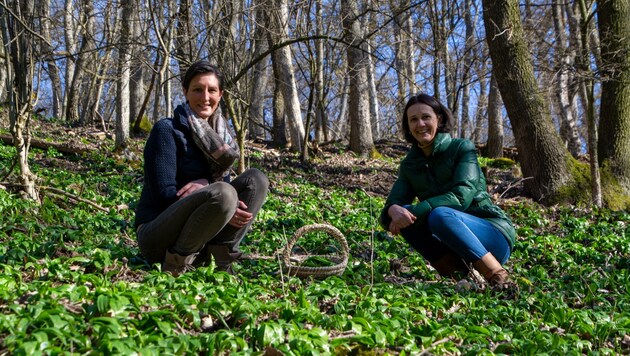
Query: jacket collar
[(440, 144), (180, 116)]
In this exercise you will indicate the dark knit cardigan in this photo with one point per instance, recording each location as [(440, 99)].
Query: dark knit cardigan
[(171, 160)]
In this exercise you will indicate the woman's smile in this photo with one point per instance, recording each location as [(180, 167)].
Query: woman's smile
[(423, 124), (203, 94)]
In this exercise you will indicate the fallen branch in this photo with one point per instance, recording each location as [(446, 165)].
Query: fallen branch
[(512, 185), (68, 147), (75, 198)]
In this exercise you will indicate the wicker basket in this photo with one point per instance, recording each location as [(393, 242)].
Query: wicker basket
[(307, 271)]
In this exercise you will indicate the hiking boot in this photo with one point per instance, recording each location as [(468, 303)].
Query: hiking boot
[(223, 258), (449, 265), (176, 264), (493, 272)]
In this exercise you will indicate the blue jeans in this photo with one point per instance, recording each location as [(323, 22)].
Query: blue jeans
[(448, 230)]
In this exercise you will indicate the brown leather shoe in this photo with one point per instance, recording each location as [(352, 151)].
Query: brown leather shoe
[(449, 264), (493, 272)]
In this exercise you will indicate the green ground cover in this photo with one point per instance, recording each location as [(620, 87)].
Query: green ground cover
[(71, 280)]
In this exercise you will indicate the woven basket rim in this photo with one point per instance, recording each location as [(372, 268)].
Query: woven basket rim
[(306, 271)]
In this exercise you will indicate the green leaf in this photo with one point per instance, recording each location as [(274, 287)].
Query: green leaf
[(102, 303)]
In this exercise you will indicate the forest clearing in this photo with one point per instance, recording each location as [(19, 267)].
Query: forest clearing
[(493, 136), (73, 282)]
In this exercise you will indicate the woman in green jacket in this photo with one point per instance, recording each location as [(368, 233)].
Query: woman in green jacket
[(453, 220)]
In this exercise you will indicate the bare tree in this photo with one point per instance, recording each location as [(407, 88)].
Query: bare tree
[(370, 69), (71, 45), (361, 141), (279, 131), (259, 76), (481, 113), (566, 97), (185, 46), (51, 64), (137, 63), (468, 69), (4, 66), (614, 120), (541, 152), (82, 62), (494, 146), (163, 33), (16, 23), (286, 75), (579, 20), (123, 72), (321, 118), (403, 49)]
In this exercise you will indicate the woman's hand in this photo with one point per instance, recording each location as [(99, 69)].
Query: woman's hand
[(241, 217), (401, 218), (192, 187)]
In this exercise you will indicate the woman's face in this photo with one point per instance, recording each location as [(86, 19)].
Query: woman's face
[(423, 124), (203, 94)]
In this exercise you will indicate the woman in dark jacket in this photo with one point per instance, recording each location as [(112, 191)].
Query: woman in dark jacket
[(454, 220), (189, 211)]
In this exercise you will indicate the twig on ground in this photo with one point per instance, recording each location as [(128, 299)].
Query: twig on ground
[(512, 185), (75, 198)]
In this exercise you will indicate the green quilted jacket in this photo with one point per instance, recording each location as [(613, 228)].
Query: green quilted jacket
[(449, 177)]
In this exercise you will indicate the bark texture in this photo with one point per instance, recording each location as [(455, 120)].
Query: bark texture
[(614, 121), (541, 153)]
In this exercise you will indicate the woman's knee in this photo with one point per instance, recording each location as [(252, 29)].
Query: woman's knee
[(224, 192), (260, 179), (438, 215)]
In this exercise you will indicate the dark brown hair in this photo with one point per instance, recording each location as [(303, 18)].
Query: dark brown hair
[(444, 115), (202, 67)]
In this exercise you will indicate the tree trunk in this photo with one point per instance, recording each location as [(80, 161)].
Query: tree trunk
[(83, 58), (467, 70), (123, 81), (375, 120), (342, 120), (278, 132), (137, 59), (482, 101), (71, 45), (163, 82), (321, 118), (494, 146), (4, 77), (614, 119), (53, 70), (185, 48), (541, 152), (259, 78), (439, 45), (404, 60), (286, 76), (20, 74), (564, 57), (580, 40), (361, 141)]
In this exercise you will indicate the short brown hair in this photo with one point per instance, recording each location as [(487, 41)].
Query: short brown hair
[(202, 67)]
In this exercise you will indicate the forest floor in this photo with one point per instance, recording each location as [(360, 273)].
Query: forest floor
[(329, 164), (73, 277)]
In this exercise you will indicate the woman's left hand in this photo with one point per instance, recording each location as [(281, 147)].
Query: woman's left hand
[(192, 187), (241, 217)]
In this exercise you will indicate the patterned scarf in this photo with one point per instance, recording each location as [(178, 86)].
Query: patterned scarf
[(213, 138)]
